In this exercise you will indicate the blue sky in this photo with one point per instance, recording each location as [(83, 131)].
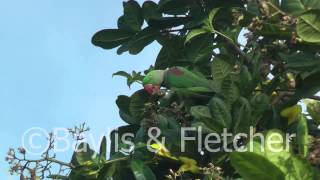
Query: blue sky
[(50, 73)]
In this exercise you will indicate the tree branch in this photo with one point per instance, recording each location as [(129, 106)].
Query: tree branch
[(315, 98)]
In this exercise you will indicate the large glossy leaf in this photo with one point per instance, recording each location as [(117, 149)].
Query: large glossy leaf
[(103, 149), (299, 6), (220, 69), (308, 87), (244, 80), (280, 155), (299, 169), (229, 91), (115, 137), (261, 103), (241, 120), (220, 112), (150, 10), (56, 177), (308, 26), (122, 24), (167, 22), (278, 31), (199, 50), (200, 112), (111, 38), (123, 103), (171, 54), (207, 28), (272, 147), (301, 61), (108, 172), (137, 104), (175, 7), (133, 15), (303, 136), (83, 155), (139, 41), (196, 32), (204, 119), (210, 21), (141, 171), (252, 166)]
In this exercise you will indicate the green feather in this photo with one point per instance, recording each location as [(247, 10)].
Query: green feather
[(154, 77), (179, 77)]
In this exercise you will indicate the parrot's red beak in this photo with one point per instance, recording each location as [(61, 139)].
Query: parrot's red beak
[(151, 89)]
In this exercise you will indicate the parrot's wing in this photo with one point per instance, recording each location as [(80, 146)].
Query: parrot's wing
[(178, 77)]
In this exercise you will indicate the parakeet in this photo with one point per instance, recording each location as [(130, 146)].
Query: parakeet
[(175, 78)]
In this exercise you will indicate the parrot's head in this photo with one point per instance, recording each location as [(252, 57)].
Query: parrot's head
[(152, 81)]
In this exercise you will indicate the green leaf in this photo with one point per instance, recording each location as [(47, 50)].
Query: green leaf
[(299, 169), (281, 156), (220, 69), (301, 61), (121, 23), (273, 146), (303, 136), (229, 91), (252, 166), (131, 78), (196, 32), (200, 112), (123, 103), (245, 80), (83, 155), (150, 10), (211, 17), (278, 31), (199, 50), (220, 112), (122, 73), (261, 104), (167, 22), (115, 137), (171, 53), (103, 149), (111, 38), (56, 176), (299, 6), (133, 16), (137, 104), (175, 7), (139, 41), (108, 172), (204, 119), (308, 26), (242, 116), (253, 8), (141, 171)]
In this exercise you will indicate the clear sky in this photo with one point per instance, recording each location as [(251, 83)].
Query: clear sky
[(50, 73)]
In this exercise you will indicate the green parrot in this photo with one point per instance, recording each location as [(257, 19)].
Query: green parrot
[(175, 78)]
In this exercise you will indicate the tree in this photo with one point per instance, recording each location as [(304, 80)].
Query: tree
[(261, 59)]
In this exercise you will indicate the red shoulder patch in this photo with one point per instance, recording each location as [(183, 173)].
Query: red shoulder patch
[(176, 71)]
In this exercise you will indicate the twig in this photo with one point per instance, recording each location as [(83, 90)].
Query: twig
[(315, 98), (276, 8)]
